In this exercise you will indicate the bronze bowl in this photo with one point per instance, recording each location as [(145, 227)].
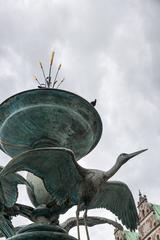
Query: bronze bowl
[(48, 118)]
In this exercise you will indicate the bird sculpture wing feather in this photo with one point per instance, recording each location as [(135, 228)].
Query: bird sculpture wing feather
[(116, 197), (6, 226), (9, 189), (56, 167)]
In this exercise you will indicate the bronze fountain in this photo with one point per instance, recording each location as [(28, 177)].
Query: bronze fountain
[(46, 131)]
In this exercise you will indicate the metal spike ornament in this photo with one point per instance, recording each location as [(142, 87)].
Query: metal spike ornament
[(46, 131), (48, 79)]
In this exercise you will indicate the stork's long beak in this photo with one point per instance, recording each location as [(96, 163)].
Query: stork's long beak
[(131, 155)]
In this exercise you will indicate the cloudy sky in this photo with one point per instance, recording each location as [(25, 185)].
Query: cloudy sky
[(109, 50)]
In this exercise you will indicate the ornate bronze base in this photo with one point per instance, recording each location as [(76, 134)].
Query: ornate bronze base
[(42, 231)]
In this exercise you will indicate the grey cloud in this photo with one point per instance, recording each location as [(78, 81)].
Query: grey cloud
[(109, 50)]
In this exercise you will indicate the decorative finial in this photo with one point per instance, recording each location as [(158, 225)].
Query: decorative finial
[(48, 79), (142, 198), (43, 72), (60, 82), (55, 79), (145, 197)]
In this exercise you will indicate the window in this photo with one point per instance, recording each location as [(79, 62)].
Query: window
[(143, 213)]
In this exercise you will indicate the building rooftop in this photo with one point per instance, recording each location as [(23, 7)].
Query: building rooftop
[(131, 235), (156, 209)]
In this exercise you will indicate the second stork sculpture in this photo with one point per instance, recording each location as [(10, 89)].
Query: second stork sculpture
[(67, 182), (46, 131)]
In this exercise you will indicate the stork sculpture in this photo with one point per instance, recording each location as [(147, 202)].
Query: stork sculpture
[(8, 197), (46, 131), (86, 188)]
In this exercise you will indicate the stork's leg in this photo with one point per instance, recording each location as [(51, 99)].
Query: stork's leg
[(85, 223), (77, 218)]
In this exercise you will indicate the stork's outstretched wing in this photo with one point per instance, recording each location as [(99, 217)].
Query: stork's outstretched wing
[(116, 197), (57, 168), (8, 188), (91, 221), (6, 226)]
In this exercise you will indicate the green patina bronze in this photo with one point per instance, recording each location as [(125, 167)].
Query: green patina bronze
[(42, 231), (33, 124), (46, 131), (48, 117)]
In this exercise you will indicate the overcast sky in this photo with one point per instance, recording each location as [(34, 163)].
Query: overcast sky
[(109, 50)]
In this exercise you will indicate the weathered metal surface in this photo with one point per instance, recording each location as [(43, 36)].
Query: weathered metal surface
[(42, 236), (67, 181), (46, 131), (48, 117), (9, 189), (42, 227), (50, 165), (42, 231)]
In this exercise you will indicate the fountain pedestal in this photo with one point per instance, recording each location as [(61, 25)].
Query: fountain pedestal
[(50, 125), (37, 231)]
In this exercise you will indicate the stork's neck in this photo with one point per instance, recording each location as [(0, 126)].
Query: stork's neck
[(113, 170)]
